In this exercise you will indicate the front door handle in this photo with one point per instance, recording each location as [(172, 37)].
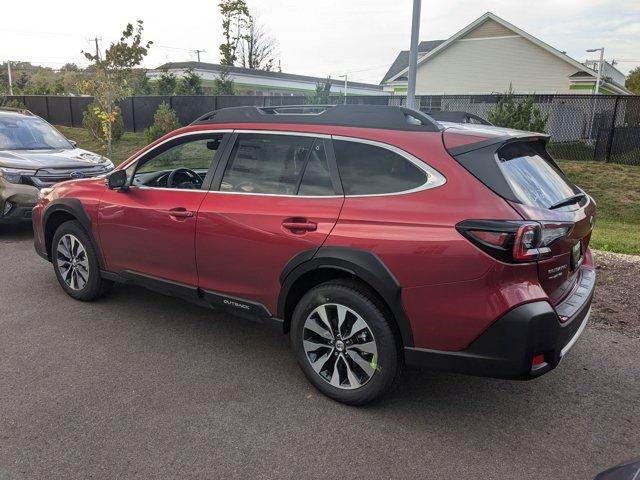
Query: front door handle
[(181, 212), (300, 226)]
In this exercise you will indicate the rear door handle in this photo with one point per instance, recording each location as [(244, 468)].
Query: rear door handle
[(300, 226), (181, 212)]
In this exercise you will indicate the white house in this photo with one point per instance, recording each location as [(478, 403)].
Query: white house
[(490, 54), (260, 82)]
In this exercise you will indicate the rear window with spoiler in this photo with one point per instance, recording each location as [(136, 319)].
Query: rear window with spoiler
[(523, 172)]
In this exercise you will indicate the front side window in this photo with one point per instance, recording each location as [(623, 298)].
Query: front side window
[(267, 164), (372, 170), (182, 166)]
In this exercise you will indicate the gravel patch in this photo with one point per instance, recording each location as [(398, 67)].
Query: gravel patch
[(616, 304)]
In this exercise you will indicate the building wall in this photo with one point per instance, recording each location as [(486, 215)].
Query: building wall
[(263, 85), (490, 64)]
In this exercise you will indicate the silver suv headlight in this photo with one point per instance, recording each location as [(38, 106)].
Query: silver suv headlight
[(14, 175)]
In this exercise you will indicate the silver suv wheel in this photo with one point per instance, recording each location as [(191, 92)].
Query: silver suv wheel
[(73, 262), (340, 346)]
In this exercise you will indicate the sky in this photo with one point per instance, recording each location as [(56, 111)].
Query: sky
[(315, 37)]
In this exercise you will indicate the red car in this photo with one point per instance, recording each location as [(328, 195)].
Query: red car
[(374, 236)]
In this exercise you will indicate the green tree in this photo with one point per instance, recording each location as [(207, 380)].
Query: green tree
[(166, 83), (110, 84), (235, 18), (322, 94), (189, 84), (223, 85), (521, 115), (165, 120), (140, 83), (633, 81)]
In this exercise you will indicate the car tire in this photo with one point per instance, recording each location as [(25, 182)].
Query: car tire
[(75, 263), (354, 363)]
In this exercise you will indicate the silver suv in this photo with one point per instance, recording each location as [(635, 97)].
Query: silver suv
[(34, 155)]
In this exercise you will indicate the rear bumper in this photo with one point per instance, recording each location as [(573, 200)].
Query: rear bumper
[(507, 348)]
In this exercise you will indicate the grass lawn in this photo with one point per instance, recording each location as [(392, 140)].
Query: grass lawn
[(616, 189)]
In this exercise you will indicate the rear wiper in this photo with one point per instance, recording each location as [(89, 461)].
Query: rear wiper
[(568, 201)]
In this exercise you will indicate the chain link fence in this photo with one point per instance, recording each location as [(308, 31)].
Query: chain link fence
[(582, 127)]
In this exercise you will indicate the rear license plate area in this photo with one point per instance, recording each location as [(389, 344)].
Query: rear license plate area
[(576, 255)]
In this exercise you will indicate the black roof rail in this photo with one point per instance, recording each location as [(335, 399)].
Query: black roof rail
[(24, 111), (366, 116)]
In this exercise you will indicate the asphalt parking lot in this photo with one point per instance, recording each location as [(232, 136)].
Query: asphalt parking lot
[(142, 385)]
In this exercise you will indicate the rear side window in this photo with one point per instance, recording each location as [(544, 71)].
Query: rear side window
[(369, 170), (521, 172), (270, 164), (316, 179)]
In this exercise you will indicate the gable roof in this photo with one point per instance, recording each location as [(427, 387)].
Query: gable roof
[(490, 16), (402, 60), (215, 67)]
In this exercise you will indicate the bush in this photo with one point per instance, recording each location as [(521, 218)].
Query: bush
[(165, 120), (522, 115), (92, 123), (11, 103)]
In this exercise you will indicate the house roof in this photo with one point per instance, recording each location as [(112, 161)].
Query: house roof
[(215, 67), (582, 69), (402, 60)]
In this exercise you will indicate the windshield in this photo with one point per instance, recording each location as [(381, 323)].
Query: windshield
[(30, 133)]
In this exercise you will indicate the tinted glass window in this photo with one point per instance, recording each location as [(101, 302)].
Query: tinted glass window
[(533, 179), (181, 166), (30, 133), (368, 169), (316, 180), (266, 164)]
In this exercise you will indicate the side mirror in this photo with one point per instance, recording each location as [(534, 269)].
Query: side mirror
[(117, 180), (73, 143)]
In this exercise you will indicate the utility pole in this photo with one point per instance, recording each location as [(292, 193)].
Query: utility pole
[(198, 52), (96, 40), (10, 80), (413, 54), (345, 87)]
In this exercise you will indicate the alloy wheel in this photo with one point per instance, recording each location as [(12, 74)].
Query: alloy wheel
[(72, 261), (340, 346)]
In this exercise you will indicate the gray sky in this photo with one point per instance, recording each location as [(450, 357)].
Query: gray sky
[(321, 37)]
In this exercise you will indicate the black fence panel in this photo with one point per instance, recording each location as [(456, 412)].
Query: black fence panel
[(59, 110), (144, 108), (188, 107), (38, 104), (79, 105), (581, 127)]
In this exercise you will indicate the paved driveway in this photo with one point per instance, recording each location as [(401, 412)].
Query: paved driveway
[(141, 385)]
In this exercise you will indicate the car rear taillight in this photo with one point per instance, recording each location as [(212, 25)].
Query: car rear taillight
[(514, 241)]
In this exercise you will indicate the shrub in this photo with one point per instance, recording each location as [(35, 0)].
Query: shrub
[(165, 120), (523, 115), (11, 103), (91, 121)]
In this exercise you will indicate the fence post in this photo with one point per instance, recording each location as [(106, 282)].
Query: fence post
[(46, 107), (71, 110), (612, 130), (133, 113)]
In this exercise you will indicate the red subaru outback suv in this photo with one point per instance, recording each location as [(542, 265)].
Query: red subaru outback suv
[(374, 236)]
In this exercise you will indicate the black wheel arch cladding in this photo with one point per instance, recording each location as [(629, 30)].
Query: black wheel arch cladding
[(361, 264), (74, 208)]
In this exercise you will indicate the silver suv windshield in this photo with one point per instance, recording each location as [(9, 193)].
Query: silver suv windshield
[(29, 133)]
